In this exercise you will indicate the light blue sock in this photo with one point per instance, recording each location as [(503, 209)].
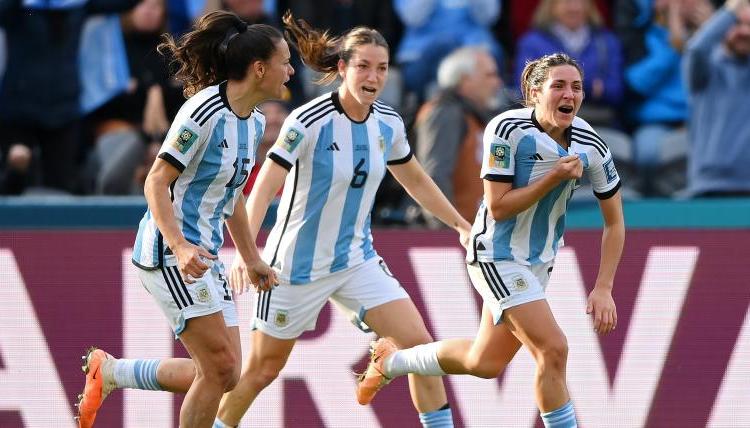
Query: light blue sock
[(441, 418), (219, 424), (137, 374), (564, 417)]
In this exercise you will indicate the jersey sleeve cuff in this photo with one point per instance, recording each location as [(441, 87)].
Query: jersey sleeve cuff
[(609, 193), (281, 161), (403, 160), (172, 161), (498, 177)]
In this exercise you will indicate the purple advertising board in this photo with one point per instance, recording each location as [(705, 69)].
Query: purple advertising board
[(680, 355)]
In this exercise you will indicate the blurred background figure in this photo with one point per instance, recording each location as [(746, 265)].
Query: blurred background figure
[(653, 33), (124, 127), (40, 93), (717, 72), (576, 27), (434, 28), (449, 127), (275, 113)]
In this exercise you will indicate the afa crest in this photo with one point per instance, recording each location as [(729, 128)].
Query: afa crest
[(203, 295), (282, 318)]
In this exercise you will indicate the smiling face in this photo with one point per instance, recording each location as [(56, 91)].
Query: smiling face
[(559, 98), (276, 71), (366, 73)]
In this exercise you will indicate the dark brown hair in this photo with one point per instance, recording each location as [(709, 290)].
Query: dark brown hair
[(321, 52), (220, 46), (536, 72)]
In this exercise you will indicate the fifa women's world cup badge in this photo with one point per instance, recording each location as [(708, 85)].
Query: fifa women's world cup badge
[(499, 155)]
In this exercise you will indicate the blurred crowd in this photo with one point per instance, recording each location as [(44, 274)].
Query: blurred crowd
[(86, 99)]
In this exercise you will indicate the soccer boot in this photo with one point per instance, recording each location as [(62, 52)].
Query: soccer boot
[(99, 368), (374, 378)]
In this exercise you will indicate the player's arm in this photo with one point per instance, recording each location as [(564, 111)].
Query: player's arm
[(156, 190), (504, 201), (270, 179), (421, 187), (252, 270), (600, 302)]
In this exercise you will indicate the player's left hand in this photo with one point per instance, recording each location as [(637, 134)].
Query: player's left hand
[(262, 276), (602, 307)]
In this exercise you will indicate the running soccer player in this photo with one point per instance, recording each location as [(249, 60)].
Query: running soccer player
[(193, 189), (331, 156), (532, 158)]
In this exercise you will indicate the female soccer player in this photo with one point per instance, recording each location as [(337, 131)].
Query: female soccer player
[(533, 156), (331, 155), (193, 189)]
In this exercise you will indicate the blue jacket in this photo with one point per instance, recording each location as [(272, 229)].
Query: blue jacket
[(41, 84), (601, 58), (717, 82), (464, 22)]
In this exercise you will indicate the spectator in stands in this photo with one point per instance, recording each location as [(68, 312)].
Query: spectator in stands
[(39, 94), (434, 28), (576, 28), (125, 126), (449, 127), (653, 33), (717, 70), (275, 113)]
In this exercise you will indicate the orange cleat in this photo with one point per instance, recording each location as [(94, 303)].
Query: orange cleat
[(99, 384), (372, 380)]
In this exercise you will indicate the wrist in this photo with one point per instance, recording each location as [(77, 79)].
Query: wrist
[(604, 286)]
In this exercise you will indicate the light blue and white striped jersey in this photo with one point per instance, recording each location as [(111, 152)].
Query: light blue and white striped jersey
[(336, 165), (214, 151), (517, 150)]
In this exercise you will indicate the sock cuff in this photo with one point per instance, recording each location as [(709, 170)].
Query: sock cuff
[(441, 418)]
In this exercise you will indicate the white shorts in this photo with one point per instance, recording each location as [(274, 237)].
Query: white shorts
[(505, 284), (287, 311), (181, 301)]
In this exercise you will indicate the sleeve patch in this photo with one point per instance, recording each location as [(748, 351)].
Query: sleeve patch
[(499, 156), (291, 140), (610, 171), (184, 139)]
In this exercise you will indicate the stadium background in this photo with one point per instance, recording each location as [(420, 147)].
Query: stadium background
[(679, 357)]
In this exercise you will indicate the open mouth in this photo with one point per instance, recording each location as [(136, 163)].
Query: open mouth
[(369, 90), (565, 109)]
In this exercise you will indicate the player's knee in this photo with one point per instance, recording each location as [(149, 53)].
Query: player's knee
[(262, 373), (487, 369), (224, 368), (553, 355)]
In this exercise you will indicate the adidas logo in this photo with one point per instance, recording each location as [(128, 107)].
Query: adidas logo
[(536, 156), (334, 147), (224, 144)]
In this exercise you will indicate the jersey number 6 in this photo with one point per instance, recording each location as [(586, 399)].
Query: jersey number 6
[(360, 175)]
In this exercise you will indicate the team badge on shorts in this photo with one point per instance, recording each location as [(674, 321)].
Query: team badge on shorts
[(282, 318), (291, 140), (184, 139), (520, 284), (499, 155), (203, 295)]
